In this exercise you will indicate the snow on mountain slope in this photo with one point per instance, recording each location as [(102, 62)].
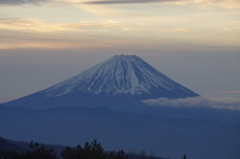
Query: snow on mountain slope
[(121, 74), (125, 76)]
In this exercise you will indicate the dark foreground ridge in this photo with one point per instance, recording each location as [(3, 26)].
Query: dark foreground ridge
[(93, 150)]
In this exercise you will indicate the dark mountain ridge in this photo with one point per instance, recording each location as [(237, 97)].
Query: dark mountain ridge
[(165, 135)]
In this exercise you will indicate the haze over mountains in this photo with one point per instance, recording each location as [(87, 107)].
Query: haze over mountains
[(105, 102)]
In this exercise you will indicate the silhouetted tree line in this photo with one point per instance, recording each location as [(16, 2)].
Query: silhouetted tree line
[(37, 152), (93, 150)]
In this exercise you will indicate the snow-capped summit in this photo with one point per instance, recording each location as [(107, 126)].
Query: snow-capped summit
[(120, 78), (121, 74)]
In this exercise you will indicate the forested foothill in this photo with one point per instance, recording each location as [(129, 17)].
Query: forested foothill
[(91, 150)]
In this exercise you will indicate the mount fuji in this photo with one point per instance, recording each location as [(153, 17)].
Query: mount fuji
[(120, 79), (105, 103)]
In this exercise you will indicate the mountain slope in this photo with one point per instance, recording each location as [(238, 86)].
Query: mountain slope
[(120, 78), (6, 145)]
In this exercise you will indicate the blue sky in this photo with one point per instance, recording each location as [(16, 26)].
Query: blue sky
[(196, 43)]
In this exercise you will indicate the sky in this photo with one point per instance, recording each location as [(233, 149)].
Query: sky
[(194, 42)]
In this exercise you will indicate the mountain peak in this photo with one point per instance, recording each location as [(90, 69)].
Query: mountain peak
[(125, 76), (121, 74), (124, 58)]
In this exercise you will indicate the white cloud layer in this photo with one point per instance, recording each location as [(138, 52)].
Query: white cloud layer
[(197, 102)]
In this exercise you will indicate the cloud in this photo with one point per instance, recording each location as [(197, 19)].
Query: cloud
[(197, 102), (36, 25), (226, 103), (222, 3), (21, 2), (47, 40), (178, 30), (226, 3), (127, 1), (33, 33)]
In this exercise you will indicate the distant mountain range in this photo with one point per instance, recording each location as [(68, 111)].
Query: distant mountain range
[(119, 80), (198, 133), (7, 145)]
